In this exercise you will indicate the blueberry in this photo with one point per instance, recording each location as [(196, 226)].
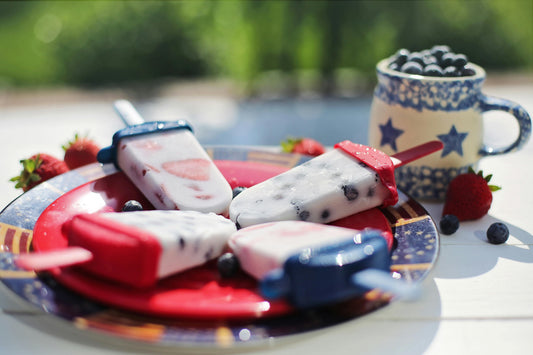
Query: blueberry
[(400, 57), (451, 71), (394, 66), (132, 205), (439, 50), (460, 60), (350, 192), (449, 224), (497, 233), (433, 70), (412, 68), (416, 57), (304, 215), (429, 60), (466, 71), (228, 265), (447, 59), (238, 190)]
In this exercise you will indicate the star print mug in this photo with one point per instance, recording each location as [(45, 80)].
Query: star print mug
[(412, 109)]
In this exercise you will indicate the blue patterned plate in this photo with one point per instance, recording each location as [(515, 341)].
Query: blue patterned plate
[(414, 255)]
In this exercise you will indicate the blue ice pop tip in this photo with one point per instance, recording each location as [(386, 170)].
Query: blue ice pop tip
[(275, 285), (108, 154), (322, 275)]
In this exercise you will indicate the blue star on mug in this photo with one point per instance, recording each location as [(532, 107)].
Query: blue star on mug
[(453, 142), (389, 134)]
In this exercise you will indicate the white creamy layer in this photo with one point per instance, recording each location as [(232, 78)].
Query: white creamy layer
[(187, 238), (173, 171), (263, 248), (329, 187)]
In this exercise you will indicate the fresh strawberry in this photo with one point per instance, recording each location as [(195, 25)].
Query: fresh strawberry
[(307, 146), (469, 196), (79, 152), (38, 168)]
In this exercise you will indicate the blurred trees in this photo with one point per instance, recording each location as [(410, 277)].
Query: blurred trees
[(319, 44)]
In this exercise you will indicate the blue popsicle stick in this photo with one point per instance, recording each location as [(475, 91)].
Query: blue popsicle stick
[(318, 276)]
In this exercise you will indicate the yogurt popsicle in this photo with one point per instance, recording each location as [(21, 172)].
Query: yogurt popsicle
[(348, 179), (168, 165), (313, 264), (138, 248), (265, 247)]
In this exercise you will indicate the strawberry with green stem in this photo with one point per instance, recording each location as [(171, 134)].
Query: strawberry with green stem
[(307, 146), (80, 151), (469, 196), (37, 169)]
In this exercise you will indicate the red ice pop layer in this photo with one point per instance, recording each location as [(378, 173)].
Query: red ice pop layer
[(120, 253), (376, 160)]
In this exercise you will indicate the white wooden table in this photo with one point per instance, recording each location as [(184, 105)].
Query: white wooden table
[(478, 299)]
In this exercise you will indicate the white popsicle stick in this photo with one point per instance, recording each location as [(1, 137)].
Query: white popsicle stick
[(53, 258), (415, 153), (127, 112), (382, 280)]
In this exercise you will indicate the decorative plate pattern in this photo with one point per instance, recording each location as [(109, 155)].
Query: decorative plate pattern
[(415, 252)]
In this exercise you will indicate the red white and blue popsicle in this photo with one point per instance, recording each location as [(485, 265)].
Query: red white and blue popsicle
[(346, 180)]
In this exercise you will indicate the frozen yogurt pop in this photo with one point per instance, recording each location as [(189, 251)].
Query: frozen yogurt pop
[(169, 166), (138, 248), (348, 179), (313, 264)]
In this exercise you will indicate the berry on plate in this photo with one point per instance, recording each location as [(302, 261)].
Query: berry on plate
[(498, 233), (80, 151), (228, 265), (307, 146), (469, 196), (38, 168), (132, 205)]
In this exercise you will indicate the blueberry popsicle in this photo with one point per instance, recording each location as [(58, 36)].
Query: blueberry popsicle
[(138, 248), (313, 264), (348, 179), (168, 165)]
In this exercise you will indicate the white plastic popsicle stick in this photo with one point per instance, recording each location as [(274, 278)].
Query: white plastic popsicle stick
[(415, 153), (127, 112), (382, 280), (53, 258)]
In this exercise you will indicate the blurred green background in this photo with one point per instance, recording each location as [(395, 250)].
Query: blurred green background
[(293, 45)]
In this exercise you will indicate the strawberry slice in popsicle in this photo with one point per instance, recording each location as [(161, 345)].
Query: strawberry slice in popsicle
[(346, 180)]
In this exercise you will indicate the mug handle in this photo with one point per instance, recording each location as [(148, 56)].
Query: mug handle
[(490, 103)]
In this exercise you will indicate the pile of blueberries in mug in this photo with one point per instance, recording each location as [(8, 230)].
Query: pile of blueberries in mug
[(439, 61)]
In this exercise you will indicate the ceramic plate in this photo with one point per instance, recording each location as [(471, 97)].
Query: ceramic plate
[(195, 308)]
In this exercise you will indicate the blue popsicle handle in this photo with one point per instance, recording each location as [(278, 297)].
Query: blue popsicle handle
[(318, 276)]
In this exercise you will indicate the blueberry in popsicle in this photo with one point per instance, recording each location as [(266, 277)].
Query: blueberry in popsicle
[(348, 179), (137, 248)]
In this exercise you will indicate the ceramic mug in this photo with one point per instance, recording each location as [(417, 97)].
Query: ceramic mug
[(412, 109)]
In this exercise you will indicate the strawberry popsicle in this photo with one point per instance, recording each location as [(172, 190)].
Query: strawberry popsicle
[(348, 179), (313, 264), (137, 248), (168, 165)]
